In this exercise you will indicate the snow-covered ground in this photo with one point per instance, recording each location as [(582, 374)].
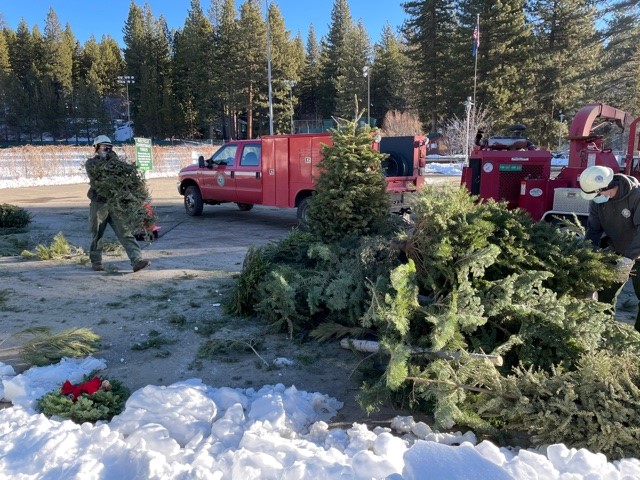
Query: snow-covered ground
[(450, 168), (189, 430)]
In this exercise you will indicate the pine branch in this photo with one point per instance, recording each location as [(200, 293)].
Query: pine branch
[(470, 388), (45, 348), (329, 330)]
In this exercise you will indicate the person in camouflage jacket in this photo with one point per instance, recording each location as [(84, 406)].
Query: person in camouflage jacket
[(100, 213)]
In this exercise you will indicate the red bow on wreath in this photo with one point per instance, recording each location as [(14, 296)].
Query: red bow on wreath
[(74, 391)]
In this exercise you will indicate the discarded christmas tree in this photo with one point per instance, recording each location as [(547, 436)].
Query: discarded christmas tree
[(351, 197), (125, 190), (490, 283)]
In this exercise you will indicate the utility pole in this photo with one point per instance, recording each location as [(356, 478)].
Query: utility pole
[(127, 80), (266, 2)]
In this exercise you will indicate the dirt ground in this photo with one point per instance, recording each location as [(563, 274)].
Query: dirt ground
[(166, 323)]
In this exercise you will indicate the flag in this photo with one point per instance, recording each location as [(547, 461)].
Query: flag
[(476, 40)]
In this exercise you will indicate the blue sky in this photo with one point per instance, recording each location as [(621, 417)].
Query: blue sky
[(108, 17)]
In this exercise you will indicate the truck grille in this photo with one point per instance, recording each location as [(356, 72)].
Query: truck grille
[(509, 182)]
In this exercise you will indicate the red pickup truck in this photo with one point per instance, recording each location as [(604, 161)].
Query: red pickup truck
[(279, 170)]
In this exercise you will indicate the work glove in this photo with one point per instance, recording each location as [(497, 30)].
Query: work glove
[(623, 268)]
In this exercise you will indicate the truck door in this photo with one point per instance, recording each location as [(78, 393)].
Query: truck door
[(219, 181), (248, 175)]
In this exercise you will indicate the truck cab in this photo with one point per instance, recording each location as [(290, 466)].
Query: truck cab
[(232, 174)]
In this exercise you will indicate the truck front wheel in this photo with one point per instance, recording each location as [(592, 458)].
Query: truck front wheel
[(193, 201), (245, 207), (303, 214)]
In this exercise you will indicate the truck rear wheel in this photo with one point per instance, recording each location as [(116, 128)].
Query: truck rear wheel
[(303, 214), (245, 207), (193, 201)]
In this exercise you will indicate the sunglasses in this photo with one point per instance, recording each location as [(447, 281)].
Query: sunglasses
[(106, 148)]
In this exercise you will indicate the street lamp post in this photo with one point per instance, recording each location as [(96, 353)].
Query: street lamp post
[(127, 80), (366, 71), (290, 84)]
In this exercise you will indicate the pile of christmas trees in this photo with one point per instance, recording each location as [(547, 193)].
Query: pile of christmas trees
[(484, 318)]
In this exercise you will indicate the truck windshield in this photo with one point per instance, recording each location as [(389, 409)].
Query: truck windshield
[(225, 155)]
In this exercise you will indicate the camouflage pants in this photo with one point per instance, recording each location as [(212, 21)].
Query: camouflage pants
[(99, 218)]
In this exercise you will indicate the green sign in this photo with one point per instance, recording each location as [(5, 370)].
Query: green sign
[(144, 154), (508, 167)]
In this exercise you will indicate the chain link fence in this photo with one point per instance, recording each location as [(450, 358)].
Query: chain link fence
[(43, 165)]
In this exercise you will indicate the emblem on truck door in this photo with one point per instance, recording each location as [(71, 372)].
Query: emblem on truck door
[(220, 180)]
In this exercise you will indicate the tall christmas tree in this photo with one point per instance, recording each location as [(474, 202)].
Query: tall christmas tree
[(351, 198)]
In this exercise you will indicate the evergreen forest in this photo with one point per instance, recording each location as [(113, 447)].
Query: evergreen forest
[(537, 63)]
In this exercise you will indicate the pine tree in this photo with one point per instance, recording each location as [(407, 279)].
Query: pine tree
[(135, 52), (286, 62), (192, 64), (23, 83), (351, 198), (389, 75), (229, 67), (5, 70), (110, 66), (332, 54), (350, 82), (58, 53), (620, 67), (298, 64), (310, 78), (155, 111), (429, 31), (567, 57), (505, 58), (89, 85), (57, 74), (252, 44), (167, 115)]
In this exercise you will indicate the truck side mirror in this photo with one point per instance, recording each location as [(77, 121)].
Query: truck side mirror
[(201, 161)]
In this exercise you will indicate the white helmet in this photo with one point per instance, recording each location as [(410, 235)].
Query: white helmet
[(593, 180), (102, 140)]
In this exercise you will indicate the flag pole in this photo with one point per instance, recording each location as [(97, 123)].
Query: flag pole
[(475, 70), (468, 105)]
